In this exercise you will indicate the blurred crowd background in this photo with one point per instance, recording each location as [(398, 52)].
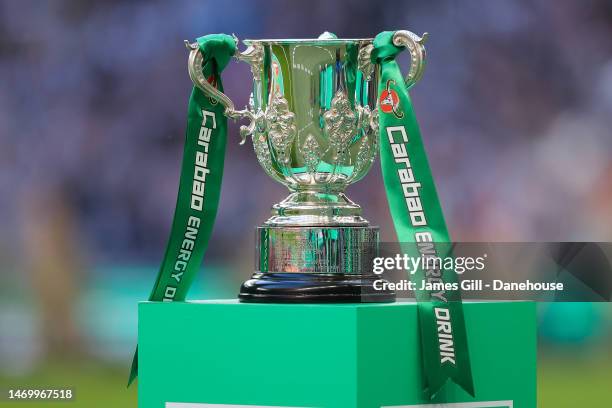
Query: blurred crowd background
[(515, 109)]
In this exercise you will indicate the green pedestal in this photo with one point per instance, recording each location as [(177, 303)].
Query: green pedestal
[(324, 355)]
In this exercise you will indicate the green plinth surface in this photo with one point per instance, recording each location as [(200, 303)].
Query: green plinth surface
[(197, 354)]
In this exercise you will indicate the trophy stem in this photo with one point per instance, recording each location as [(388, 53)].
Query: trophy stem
[(316, 208)]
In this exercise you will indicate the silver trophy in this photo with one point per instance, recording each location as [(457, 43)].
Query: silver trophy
[(314, 126)]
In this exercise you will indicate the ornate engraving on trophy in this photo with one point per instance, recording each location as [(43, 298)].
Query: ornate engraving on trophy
[(365, 64), (262, 151), (340, 123), (280, 123), (254, 56), (368, 143), (364, 156), (374, 123), (312, 153)]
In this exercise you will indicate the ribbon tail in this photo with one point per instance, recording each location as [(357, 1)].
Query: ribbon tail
[(420, 227), (133, 369), (199, 185)]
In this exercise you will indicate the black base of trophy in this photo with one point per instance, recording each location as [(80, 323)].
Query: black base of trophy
[(313, 288)]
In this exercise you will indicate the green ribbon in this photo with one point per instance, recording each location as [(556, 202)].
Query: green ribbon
[(200, 182), (419, 221)]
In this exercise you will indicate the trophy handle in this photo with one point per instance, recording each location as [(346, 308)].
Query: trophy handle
[(252, 55), (415, 46)]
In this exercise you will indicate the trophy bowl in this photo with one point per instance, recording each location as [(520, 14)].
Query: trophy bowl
[(314, 128)]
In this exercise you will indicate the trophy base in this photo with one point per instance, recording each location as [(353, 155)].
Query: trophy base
[(313, 288), (316, 264)]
